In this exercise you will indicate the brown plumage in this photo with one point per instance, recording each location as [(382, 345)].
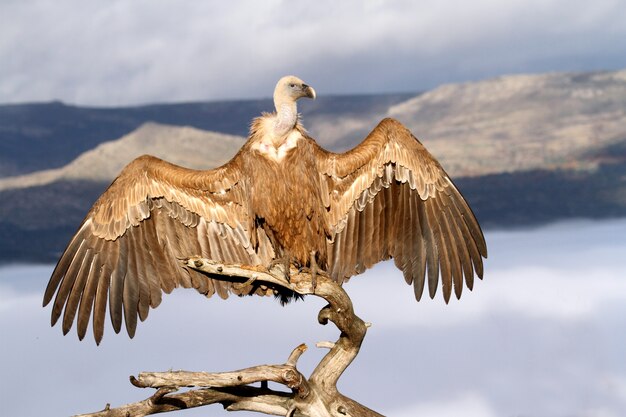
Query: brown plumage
[(282, 195)]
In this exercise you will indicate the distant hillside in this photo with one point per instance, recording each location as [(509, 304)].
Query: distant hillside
[(40, 136), (187, 146), (524, 150), (521, 122)]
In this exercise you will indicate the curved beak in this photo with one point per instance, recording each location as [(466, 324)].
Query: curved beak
[(308, 91)]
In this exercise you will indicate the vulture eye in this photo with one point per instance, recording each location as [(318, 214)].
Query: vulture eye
[(292, 85)]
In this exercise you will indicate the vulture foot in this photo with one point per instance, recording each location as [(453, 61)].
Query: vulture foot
[(284, 262), (313, 270)]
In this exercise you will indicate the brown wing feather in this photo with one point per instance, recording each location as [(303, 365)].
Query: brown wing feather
[(429, 229), (127, 249)]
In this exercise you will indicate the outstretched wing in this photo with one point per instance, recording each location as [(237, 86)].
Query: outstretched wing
[(389, 197), (128, 249)]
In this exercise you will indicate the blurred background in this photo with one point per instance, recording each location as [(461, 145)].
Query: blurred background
[(523, 103)]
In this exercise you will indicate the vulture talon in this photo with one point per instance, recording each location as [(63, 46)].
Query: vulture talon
[(284, 262), (312, 270)]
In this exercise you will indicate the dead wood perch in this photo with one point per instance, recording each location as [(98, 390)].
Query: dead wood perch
[(316, 396)]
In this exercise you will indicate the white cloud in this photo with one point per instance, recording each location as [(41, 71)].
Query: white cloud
[(551, 273), (614, 384), (469, 404), (540, 292), (12, 300), (121, 52)]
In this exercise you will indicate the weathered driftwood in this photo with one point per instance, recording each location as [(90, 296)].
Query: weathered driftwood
[(316, 396)]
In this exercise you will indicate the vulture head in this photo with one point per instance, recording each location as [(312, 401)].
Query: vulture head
[(277, 126), (289, 89)]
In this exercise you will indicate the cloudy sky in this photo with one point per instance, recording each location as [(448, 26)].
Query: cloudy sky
[(128, 52), (541, 336)]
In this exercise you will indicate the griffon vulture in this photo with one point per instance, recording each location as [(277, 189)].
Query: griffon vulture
[(280, 196)]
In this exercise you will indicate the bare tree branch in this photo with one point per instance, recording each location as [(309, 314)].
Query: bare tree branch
[(316, 396), (233, 399)]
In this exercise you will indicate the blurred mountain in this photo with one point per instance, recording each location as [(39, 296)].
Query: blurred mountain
[(187, 146), (521, 122), (524, 149)]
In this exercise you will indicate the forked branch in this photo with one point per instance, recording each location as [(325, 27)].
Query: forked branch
[(316, 396)]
